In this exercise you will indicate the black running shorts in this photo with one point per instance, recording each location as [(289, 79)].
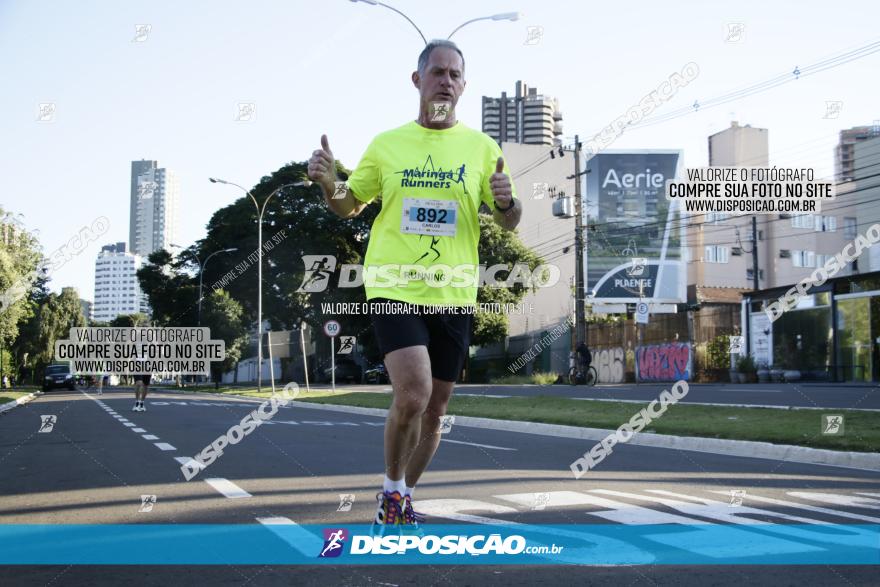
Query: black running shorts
[(445, 332)]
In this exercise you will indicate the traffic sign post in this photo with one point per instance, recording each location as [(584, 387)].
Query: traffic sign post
[(331, 329), (642, 313)]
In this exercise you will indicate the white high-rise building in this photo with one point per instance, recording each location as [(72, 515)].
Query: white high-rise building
[(153, 208), (527, 117), (116, 285)]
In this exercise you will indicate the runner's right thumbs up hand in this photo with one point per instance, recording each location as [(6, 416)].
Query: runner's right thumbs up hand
[(322, 166)]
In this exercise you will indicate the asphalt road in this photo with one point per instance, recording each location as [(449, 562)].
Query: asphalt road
[(802, 395), (100, 459)]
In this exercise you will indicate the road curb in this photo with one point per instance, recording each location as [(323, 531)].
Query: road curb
[(20, 401), (737, 448)]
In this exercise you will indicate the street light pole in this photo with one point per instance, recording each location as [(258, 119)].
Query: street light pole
[(503, 16), (511, 16), (202, 272), (260, 211)]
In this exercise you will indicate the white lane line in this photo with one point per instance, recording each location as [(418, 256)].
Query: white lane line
[(227, 487), (293, 534), (150, 437), (130, 424), (190, 462), (482, 395), (868, 494), (123, 420), (138, 430), (164, 446), (489, 446), (803, 506)]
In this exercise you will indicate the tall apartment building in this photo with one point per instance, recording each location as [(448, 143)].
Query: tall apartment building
[(844, 152), (527, 117), (153, 207), (790, 246), (117, 290)]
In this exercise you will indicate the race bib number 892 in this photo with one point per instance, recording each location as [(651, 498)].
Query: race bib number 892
[(433, 217)]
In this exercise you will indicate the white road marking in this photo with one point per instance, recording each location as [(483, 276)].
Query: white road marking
[(164, 446), (293, 534), (227, 487), (150, 437), (482, 395), (619, 512), (130, 424), (138, 430), (803, 506), (190, 462), (489, 446), (868, 494), (834, 499)]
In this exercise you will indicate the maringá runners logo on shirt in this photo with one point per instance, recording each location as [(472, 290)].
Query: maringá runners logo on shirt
[(430, 177)]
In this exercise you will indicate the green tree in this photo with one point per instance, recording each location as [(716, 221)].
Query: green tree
[(51, 321), (20, 277), (135, 320), (499, 246), (171, 290), (225, 317)]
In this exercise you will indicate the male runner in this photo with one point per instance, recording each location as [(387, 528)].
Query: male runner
[(141, 387), (432, 175)]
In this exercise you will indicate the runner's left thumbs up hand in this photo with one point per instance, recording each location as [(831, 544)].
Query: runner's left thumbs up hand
[(502, 191)]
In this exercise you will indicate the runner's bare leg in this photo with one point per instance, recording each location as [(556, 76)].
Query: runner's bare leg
[(410, 372), (430, 431)]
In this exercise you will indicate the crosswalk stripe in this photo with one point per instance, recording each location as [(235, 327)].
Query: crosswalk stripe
[(812, 508), (834, 499), (227, 487), (293, 534)]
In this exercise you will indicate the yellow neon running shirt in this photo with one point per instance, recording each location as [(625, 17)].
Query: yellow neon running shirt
[(430, 183)]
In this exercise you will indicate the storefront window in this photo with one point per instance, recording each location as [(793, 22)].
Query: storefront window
[(854, 355), (802, 340)]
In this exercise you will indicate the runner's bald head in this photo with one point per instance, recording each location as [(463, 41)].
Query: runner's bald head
[(425, 55)]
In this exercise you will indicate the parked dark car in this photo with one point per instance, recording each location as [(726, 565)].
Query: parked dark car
[(346, 371), (377, 374), (56, 376)]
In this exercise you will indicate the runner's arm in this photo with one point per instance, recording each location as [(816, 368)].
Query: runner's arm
[(344, 207), (508, 220)]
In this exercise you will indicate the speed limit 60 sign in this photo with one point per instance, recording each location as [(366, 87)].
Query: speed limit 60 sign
[(331, 328)]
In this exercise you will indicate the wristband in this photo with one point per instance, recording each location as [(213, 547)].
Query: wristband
[(512, 204)]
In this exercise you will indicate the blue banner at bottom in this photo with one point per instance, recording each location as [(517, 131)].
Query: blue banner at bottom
[(285, 543)]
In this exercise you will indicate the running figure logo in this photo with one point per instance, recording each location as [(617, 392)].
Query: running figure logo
[(346, 345), (736, 497), (147, 503), (832, 424), (346, 500), (319, 268), (47, 423), (446, 423), (435, 240), (333, 542)]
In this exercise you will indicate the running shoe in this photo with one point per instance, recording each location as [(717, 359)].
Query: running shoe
[(411, 518), (388, 514), (136, 407)]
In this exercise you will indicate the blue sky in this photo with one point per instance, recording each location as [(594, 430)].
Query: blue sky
[(343, 68)]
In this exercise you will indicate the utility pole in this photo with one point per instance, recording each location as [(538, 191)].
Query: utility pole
[(579, 319), (755, 252)]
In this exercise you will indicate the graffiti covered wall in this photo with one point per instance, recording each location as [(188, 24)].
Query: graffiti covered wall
[(609, 363), (671, 361)]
